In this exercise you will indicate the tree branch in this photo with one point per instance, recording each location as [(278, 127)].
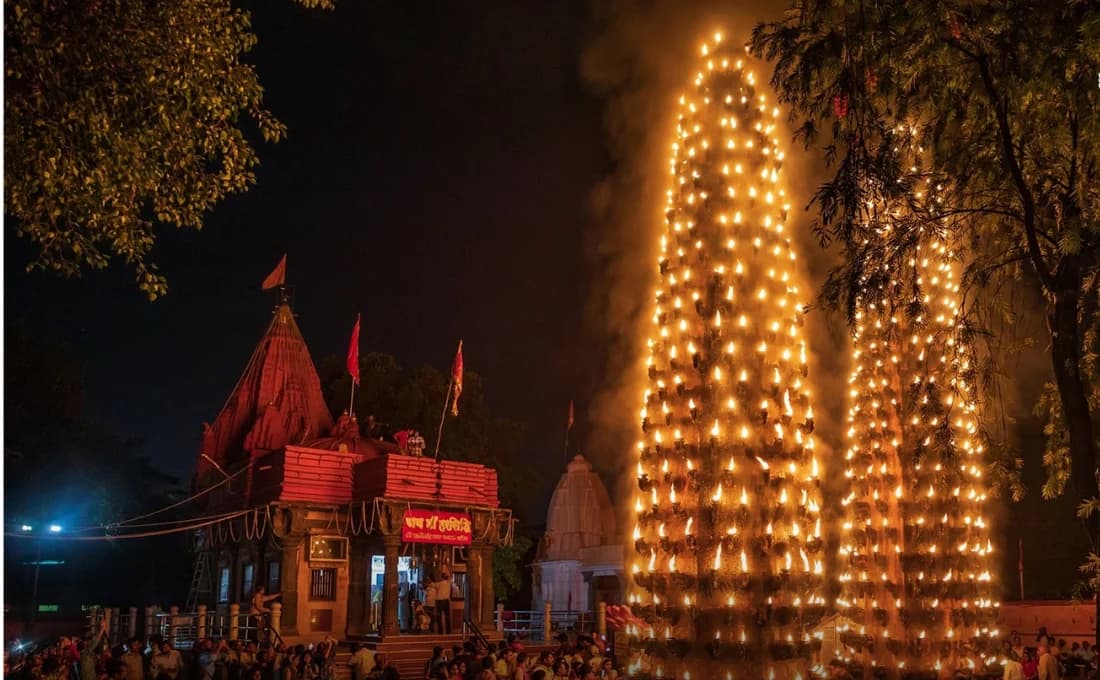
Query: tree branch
[(1008, 152)]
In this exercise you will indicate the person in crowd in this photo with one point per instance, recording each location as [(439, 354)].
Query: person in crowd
[(607, 670), (561, 670), (1018, 647), (168, 661), (1031, 665), (134, 659), (88, 653), (381, 663), (519, 670), (361, 662), (467, 655), (1049, 666), (1013, 667), (436, 666), (486, 672)]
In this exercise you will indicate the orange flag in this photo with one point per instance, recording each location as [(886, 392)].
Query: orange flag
[(353, 353), (277, 277), (456, 377)]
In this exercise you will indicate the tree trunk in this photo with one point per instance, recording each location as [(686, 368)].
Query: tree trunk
[(1066, 341)]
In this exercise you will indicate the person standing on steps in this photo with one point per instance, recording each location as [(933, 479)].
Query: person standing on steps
[(442, 593), (259, 610)]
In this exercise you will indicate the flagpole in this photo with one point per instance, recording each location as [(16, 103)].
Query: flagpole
[(443, 416), (565, 454), (351, 401)]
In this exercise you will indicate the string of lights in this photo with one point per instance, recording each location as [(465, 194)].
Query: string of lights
[(728, 566), (915, 541)]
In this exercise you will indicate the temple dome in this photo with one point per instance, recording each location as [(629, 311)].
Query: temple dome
[(580, 514)]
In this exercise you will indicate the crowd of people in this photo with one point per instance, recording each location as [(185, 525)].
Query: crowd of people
[(579, 658), (156, 659), (576, 657), (1044, 659), (1048, 659)]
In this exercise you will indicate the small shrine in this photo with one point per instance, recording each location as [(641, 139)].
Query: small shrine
[(348, 529), (580, 558)]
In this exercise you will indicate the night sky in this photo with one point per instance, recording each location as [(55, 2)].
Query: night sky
[(435, 178), (438, 177)]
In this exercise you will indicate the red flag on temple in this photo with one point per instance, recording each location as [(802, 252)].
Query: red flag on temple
[(277, 277), (570, 425), (353, 352), (456, 378)]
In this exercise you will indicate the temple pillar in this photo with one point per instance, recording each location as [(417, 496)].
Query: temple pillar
[(391, 547), (358, 586), (288, 584), (474, 583), (488, 599)]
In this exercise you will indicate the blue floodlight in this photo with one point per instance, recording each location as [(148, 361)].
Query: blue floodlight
[(26, 527), (55, 528)]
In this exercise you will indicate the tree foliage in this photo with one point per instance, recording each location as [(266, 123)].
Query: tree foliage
[(510, 567), (994, 105), (122, 115), (400, 399)]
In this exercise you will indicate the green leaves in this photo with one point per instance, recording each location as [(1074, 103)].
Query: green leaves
[(509, 567), (122, 116)]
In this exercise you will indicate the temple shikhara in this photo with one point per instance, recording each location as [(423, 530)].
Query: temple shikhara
[(580, 559), (345, 527)]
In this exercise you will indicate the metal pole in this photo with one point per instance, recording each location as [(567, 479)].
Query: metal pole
[(443, 416), (34, 588), (1021, 568)]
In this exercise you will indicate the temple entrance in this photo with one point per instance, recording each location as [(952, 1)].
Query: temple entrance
[(414, 572), (408, 590)]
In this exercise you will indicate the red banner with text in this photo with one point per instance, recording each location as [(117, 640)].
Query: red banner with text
[(436, 526)]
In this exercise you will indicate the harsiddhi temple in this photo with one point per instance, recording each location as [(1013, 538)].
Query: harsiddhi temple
[(346, 528)]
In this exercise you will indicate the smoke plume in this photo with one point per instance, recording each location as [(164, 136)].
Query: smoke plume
[(640, 57)]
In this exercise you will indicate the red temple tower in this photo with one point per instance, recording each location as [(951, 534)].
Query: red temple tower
[(345, 527)]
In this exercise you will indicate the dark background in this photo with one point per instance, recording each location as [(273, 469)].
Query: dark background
[(436, 178)]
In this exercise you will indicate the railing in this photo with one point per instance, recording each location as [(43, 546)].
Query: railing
[(530, 624), (182, 629), (470, 629)]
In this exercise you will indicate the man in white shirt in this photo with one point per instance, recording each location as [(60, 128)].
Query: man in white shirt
[(442, 594)]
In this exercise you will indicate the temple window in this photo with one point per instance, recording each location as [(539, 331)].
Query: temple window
[(223, 585), (322, 584), (247, 581)]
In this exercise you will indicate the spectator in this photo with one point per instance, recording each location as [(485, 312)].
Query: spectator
[(361, 662), (436, 666), (1013, 668), (134, 660), (1031, 665), (519, 671), (1049, 666), (167, 661)]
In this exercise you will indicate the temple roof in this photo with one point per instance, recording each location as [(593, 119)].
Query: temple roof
[(580, 514), (276, 402)]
